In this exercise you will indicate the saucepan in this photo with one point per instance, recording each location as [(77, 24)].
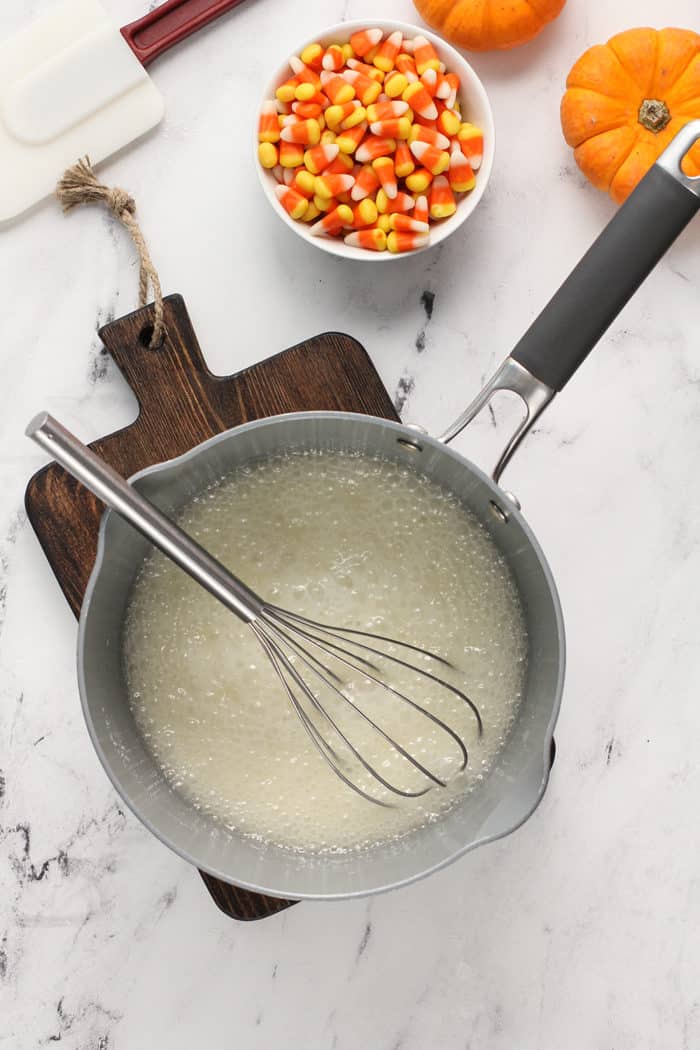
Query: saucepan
[(539, 366)]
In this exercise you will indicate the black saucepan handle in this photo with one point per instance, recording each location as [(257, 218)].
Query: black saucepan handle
[(614, 267)]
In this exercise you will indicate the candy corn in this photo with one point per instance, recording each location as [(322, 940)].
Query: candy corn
[(291, 154), (332, 185), (442, 201), (386, 110), (419, 133), (333, 58), (268, 154), (425, 55), (337, 88), (342, 165), (419, 180), (319, 157), (406, 224), (429, 80), (374, 147), (324, 203), (420, 101), (421, 212), (365, 40), (312, 56), (305, 91), (365, 213), (401, 202), (406, 65), (406, 242), (307, 110), (371, 240), (293, 203), (403, 160), (396, 128), (286, 91), (268, 126), (448, 88), (304, 183), (349, 139), (311, 213), (365, 140), (472, 142), (332, 222), (335, 115), (384, 167), (357, 116), (369, 71), (388, 51), (306, 132), (366, 183), (460, 175), (435, 160), (448, 122), (366, 89), (395, 84), (303, 74)]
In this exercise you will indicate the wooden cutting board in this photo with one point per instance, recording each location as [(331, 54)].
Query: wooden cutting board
[(181, 404)]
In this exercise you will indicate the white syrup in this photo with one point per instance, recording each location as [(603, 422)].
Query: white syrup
[(346, 539)]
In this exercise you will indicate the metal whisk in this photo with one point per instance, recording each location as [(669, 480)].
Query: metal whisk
[(319, 665)]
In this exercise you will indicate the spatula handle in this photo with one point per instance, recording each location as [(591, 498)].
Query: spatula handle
[(173, 21)]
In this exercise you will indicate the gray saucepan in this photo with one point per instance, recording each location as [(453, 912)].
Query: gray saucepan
[(543, 361)]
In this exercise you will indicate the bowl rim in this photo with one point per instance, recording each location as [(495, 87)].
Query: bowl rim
[(452, 57)]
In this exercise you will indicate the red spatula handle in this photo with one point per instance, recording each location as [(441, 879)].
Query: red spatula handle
[(170, 23)]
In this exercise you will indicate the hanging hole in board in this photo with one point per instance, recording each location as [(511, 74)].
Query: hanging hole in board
[(145, 336), (499, 513), (412, 446)]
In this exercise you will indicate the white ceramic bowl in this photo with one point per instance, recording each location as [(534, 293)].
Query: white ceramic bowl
[(475, 108)]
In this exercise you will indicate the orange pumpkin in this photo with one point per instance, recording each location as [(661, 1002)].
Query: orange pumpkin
[(488, 25), (625, 101)]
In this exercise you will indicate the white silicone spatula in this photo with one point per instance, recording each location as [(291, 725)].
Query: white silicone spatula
[(73, 83)]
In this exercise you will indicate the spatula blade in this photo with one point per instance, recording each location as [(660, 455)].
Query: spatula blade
[(69, 86)]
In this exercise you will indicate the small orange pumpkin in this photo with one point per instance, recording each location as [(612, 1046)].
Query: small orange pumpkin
[(489, 25), (625, 101)]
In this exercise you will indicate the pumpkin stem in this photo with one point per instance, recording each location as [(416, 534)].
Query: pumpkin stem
[(653, 114)]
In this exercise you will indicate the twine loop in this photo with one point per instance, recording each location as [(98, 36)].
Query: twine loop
[(80, 185), (119, 201)]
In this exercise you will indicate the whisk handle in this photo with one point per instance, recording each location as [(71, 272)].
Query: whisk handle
[(109, 486)]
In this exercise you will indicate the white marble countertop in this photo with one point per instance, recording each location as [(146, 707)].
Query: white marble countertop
[(578, 931)]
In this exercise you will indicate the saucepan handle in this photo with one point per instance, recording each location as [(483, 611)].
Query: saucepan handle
[(590, 299), (170, 23), (612, 270)]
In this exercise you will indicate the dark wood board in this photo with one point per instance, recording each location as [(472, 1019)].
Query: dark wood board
[(181, 404)]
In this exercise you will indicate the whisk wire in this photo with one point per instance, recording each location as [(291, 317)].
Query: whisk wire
[(278, 627), (302, 653), (281, 616), (283, 613), (324, 748), (342, 630)]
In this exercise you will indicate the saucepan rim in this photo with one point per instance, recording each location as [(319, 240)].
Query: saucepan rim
[(286, 892)]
